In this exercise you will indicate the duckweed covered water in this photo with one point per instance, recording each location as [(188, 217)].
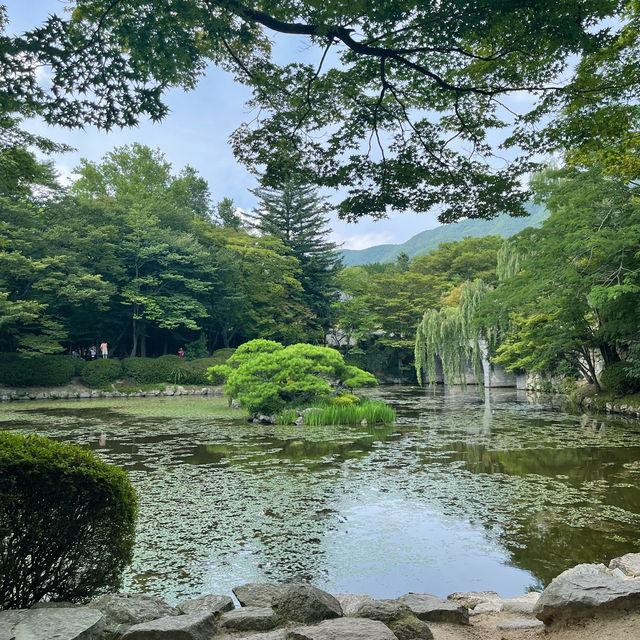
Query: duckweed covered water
[(462, 493)]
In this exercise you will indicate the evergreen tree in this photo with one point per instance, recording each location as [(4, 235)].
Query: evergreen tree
[(297, 216)]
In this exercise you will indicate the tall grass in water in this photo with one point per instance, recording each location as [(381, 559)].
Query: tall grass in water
[(288, 416), (369, 410)]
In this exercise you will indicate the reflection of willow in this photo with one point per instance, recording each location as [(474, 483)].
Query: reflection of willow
[(297, 481), (577, 505)]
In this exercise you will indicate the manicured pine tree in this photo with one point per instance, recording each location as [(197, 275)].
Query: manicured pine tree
[(297, 216)]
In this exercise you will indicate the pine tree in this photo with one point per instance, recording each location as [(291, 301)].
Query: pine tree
[(297, 216)]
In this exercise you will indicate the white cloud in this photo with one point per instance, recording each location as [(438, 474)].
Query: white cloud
[(364, 240)]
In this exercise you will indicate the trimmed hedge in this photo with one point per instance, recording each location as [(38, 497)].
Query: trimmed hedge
[(67, 522), (172, 369), (151, 370), (17, 370), (618, 379), (101, 372)]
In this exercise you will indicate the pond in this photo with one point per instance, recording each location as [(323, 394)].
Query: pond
[(463, 493)]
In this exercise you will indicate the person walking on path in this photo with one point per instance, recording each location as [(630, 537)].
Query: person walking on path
[(104, 349)]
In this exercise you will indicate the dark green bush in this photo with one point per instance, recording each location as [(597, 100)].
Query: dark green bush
[(618, 378), (101, 372), (67, 522), (198, 368), (17, 370), (78, 365), (141, 370)]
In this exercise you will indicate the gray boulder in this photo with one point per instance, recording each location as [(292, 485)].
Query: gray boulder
[(382, 610), (79, 623), (408, 627), (207, 604), (629, 564), (264, 594), (430, 608), (304, 603), (122, 610), (8, 620), (586, 590), (344, 629), (197, 626), (351, 602), (522, 605), (249, 619), (472, 599)]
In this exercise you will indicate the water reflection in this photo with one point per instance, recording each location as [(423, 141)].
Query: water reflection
[(465, 491)]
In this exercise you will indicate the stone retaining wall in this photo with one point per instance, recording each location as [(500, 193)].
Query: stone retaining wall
[(78, 392)]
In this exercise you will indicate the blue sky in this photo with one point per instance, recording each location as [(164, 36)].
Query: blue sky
[(196, 132)]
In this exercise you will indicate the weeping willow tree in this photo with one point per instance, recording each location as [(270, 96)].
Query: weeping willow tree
[(452, 335)]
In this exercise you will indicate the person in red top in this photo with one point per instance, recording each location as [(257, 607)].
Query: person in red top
[(180, 352)]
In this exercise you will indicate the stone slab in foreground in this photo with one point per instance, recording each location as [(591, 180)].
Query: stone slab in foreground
[(586, 590), (344, 629), (123, 610), (249, 619), (433, 609), (303, 603), (259, 594), (79, 623), (207, 604), (197, 626)]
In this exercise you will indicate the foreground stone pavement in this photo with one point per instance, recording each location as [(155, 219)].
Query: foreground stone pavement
[(589, 600)]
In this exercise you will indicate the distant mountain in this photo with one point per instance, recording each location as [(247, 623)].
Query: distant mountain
[(425, 241)]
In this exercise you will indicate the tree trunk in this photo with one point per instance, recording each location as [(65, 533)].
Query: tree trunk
[(609, 353), (134, 340)]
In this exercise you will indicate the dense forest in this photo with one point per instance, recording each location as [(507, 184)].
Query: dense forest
[(137, 255)]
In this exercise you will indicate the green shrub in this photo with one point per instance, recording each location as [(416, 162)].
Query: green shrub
[(17, 370), (344, 399), (269, 377), (618, 378), (67, 522), (101, 372), (78, 365), (199, 367)]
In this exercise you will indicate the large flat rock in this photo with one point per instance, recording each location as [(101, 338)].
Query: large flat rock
[(382, 610), (249, 619), (207, 604), (430, 608), (304, 603), (586, 590), (344, 629), (123, 610), (259, 594), (522, 605), (8, 620), (79, 623), (197, 626)]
